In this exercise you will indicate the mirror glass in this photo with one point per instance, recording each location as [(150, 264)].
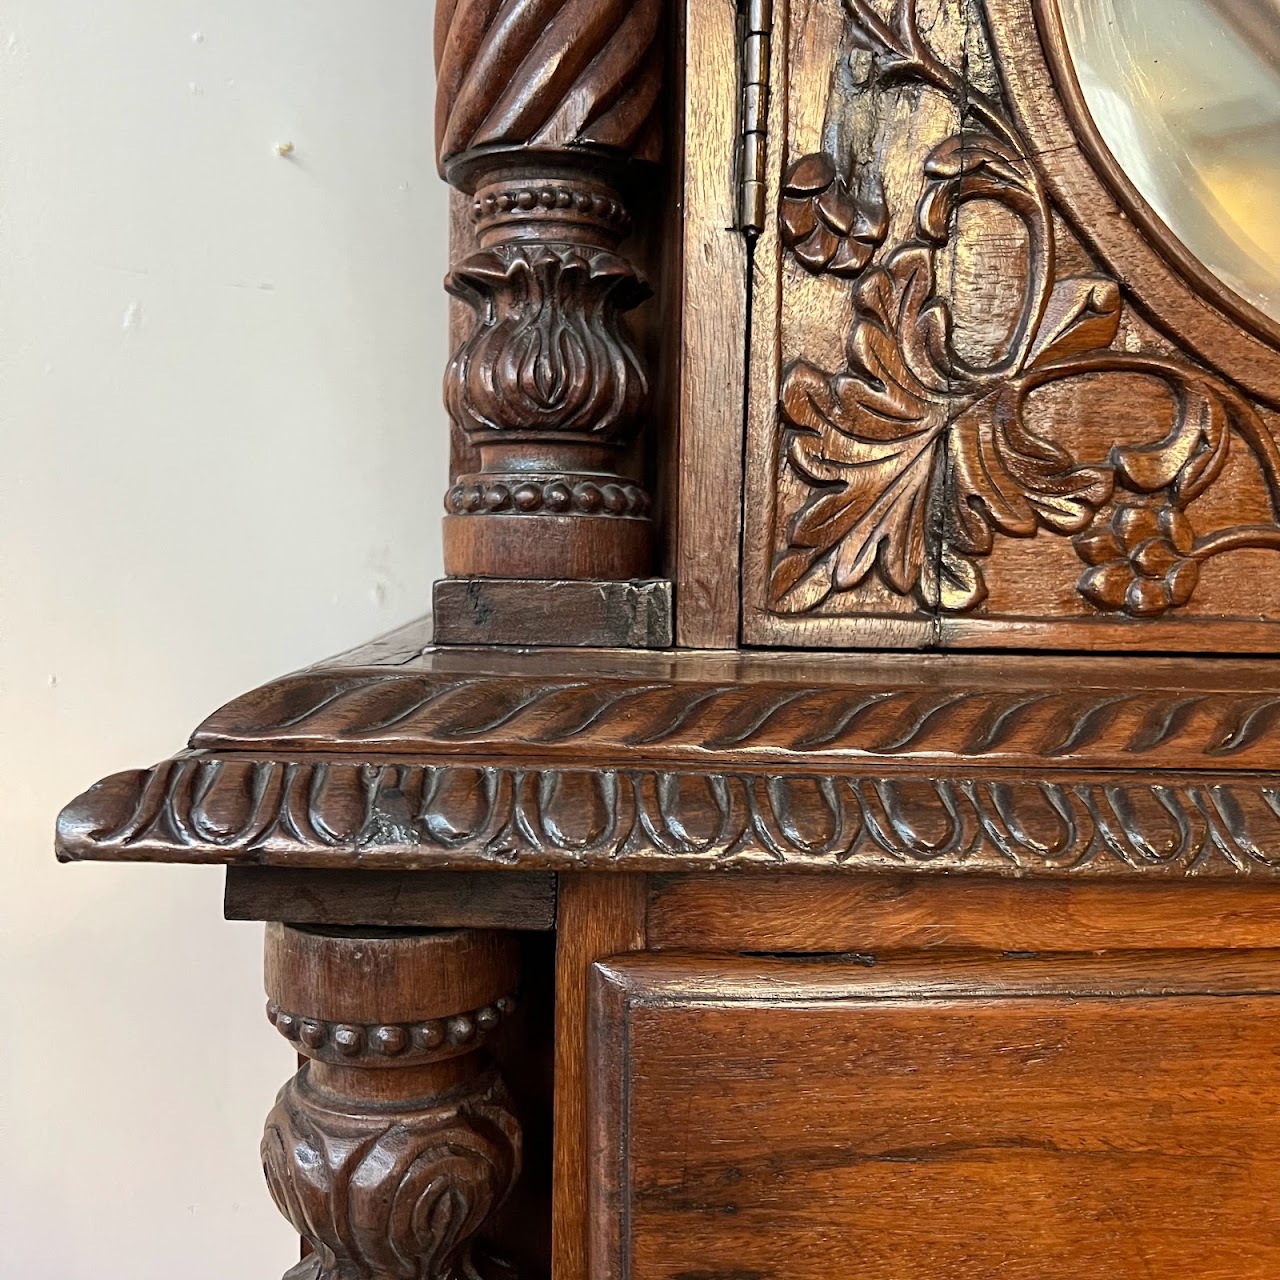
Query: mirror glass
[(1186, 94)]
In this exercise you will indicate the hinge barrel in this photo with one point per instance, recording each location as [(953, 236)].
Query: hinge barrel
[(757, 38)]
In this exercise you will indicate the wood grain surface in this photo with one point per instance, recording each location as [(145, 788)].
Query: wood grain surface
[(575, 614), (713, 323), (600, 915), (1021, 1119), (993, 402), (480, 759), (396, 1144), (894, 913), (453, 900)]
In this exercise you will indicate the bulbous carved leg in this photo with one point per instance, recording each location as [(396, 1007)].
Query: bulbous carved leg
[(396, 1141)]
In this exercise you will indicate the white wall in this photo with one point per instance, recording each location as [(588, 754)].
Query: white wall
[(222, 457)]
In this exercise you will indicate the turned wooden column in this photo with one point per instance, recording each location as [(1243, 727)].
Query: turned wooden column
[(396, 1141), (546, 116)]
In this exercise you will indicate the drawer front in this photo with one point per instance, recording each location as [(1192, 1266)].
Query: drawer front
[(1086, 1117)]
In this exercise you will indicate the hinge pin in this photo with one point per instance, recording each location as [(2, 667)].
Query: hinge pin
[(757, 35)]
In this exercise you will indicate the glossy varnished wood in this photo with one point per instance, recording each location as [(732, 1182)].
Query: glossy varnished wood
[(600, 915), (977, 1117), (895, 913), (442, 759), (958, 389), (397, 1142), (993, 401)]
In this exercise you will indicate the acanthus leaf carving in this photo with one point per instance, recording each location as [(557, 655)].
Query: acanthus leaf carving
[(914, 458), (390, 1192), (548, 354)]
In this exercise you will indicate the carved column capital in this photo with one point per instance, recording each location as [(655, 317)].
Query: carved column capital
[(396, 1141)]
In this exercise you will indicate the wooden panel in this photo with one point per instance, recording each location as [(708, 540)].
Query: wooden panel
[(600, 914), (841, 913), (430, 899), (976, 1118), (713, 318), (987, 408)]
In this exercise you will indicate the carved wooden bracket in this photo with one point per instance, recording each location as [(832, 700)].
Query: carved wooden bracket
[(541, 112)]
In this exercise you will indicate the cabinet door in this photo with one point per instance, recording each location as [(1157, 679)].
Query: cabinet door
[(1082, 1118), (993, 400)]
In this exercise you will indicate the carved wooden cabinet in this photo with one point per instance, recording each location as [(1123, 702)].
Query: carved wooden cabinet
[(831, 822)]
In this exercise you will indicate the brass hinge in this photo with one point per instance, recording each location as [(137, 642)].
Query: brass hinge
[(757, 33)]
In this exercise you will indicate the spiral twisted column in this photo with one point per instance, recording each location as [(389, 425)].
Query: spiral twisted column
[(396, 1142), (545, 111)]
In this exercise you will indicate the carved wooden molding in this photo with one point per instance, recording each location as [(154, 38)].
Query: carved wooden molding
[(900, 470), (548, 76), (399, 1042), (883, 716), (665, 761), (390, 814), (388, 1157)]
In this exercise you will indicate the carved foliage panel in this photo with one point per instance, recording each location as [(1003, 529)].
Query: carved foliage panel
[(971, 428)]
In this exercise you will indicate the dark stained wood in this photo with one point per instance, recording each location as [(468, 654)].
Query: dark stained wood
[(444, 900), (472, 759), (959, 389), (600, 915), (396, 1142), (1006, 712), (1033, 432), (894, 913), (542, 120), (1096, 1116), (581, 614), (337, 977)]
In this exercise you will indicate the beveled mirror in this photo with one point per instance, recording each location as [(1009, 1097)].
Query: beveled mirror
[(1185, 96)]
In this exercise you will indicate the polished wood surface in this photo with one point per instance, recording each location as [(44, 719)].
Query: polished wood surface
[(458, 900), (969, 423), (600, 915), (1095, 1116), (539, 119), (896, 964), (668, 761), (894, 913), (397, 1141)]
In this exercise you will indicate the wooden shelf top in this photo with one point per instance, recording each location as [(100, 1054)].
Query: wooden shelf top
[(399, 755)]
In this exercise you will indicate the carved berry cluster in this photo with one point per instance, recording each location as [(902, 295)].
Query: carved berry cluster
[(824, 224), (1142, 562), (557, 497)]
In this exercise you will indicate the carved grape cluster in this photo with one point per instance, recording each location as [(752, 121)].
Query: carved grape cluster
[(1142, 561)]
